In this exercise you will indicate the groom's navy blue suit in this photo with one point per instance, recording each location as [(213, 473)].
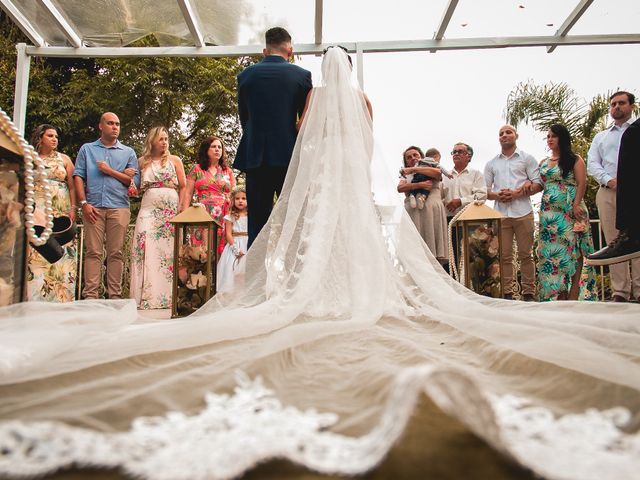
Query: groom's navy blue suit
[(627, 217), (271, 96)]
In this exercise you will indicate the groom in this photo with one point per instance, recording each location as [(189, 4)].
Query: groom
[(271, 97)]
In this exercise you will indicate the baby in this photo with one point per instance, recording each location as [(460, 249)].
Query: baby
[(417, 198)]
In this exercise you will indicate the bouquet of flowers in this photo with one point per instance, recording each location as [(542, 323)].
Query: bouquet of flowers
[(484, 260)]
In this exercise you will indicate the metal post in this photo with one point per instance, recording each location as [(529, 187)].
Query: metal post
[(360, 63), (23, 66)]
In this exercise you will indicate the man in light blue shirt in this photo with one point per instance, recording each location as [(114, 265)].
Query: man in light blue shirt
[(509, 177), (103, 172), (602, 164)]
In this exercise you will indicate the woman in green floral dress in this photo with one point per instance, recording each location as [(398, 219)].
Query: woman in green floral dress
[(564, 232), (162, 183), (53, 282)]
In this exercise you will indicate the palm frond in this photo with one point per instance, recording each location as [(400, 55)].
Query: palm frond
[(543, 105), (596, 117)]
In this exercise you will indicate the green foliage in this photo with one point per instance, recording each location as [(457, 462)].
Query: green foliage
[(543, 105), (192, 97)]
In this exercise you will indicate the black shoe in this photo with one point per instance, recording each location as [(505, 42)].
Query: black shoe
[(528, 297), (622, 249), (507, 296)]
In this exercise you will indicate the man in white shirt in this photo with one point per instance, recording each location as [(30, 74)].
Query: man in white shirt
[(464, 187), (509, 177), (602, 164)]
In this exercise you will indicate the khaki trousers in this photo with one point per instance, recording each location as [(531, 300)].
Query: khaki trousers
[(522, 229), (622, 283), (111, 225)]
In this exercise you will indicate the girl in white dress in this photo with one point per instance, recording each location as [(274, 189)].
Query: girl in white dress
[(231, 265)]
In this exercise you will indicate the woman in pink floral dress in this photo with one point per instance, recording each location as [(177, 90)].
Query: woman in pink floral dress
[(162, 185), (211, 179)]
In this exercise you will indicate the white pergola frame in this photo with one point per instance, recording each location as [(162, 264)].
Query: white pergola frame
[(200, 49)]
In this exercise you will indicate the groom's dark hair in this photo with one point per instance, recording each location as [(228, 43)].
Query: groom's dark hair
[(276, 36)]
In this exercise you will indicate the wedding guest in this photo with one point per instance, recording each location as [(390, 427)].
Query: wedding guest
[(434, 154), (211, 178), (431, 221), (418, 197), (105, 168), (505, 176), (626, 246), (603, 165), (53, 282), (564, 233), (162, 186), (230, 274), (465, 186)]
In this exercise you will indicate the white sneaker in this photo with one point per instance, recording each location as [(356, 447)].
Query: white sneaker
[(420, 201), (412, 201)]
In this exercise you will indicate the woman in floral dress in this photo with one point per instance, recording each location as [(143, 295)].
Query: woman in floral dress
[(211, 179), (53, 282), (162, 184), (564, 231)]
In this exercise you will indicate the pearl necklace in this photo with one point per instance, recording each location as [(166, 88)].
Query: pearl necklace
[(31, 158)]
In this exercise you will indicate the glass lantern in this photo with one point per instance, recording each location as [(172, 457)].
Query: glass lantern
[(194, 260), (479, 249), (12, 230)]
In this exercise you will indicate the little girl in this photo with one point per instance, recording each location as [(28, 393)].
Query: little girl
[(230, 273)]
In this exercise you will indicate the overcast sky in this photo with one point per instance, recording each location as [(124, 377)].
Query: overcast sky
[(435, 100)]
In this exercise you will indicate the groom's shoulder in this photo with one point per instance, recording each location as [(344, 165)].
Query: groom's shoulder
[(300, 70)]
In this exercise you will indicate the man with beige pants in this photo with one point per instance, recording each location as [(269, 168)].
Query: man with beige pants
[(105, 168), (602, 164), (510, 177)]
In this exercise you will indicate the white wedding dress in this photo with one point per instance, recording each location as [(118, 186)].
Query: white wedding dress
[(346, 319)]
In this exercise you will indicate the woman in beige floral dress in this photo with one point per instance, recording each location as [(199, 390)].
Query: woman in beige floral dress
[(53, 282), (430, 221), (162, 184)]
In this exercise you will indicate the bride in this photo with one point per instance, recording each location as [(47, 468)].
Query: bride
[(345, 320)]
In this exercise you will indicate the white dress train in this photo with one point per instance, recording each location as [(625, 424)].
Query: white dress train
[(322, 356)]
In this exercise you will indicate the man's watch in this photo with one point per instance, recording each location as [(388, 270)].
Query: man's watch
[(82, 203)]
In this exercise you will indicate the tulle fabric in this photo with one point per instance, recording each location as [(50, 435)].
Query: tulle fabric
[(342, 298)]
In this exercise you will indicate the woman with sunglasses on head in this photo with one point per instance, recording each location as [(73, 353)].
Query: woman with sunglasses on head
[(53, 282)]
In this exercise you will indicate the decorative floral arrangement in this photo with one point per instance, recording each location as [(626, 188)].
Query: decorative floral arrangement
[(11, 233), (192, 279), (484, 259)]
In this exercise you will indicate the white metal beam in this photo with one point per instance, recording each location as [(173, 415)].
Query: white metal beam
[(571, 21), (360, 65), (22, 22), (318, 23), (313, 49), (62, 24), (23, 65), (189, 14), (444, 22)]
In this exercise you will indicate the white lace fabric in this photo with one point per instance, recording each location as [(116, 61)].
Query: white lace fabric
[(346, 317), (234, 433)]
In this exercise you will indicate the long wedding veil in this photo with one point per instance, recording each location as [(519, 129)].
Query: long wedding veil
[(345, 312)]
